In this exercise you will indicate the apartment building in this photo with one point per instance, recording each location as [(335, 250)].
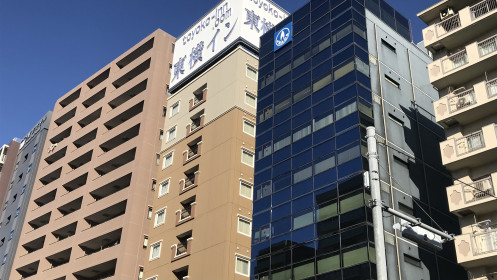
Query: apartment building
[(201, 212), (88, 212), (462, 35), (327, 72), (19, 192), (8, 154)]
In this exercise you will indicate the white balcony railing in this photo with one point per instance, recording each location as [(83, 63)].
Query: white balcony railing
[(487, 46), (492, 88), (482, 8), (480, 189), (485, 242), (462, 100), (470, 143), (455, 61), (448, 25), (180, 250)]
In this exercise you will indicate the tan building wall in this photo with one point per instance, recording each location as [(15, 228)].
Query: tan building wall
[(215, 171), (8, 157), (88, 213), (463, 38)]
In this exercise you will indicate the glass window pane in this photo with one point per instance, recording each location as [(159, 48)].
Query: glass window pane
[(351, 203), (354, 257), (326, 211), (328, 263), (303, 271)]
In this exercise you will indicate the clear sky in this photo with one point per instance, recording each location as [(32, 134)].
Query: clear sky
[(47, 47)]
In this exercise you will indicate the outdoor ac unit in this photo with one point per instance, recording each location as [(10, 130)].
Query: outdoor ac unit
[(446, 13)]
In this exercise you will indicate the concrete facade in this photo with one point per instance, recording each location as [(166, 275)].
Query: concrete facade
[(90, 200), (462, 35), (19, 194), (199, 188)]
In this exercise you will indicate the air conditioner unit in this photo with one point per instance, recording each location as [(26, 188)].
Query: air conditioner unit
[(446, 13)]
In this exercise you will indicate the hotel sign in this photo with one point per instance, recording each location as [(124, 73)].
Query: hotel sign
[(218, 29)]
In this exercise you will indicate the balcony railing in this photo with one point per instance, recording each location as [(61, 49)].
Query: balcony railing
[(448, 25), (195, 124), (485, 242), (470, 143), (487, 46), (482, 8), (455, 61), (492, 88), (185, 214), (181, 249), (462, 100), (479, 190), (189, 181)]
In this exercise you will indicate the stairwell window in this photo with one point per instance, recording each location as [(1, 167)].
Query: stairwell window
[(251, 73), (168, 160), (250, 99), (164, 187), (244, 226), (242, 265), (249, 127), (247, 157), (246, 189)]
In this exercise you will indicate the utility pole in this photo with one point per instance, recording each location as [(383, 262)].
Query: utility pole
[(418, 230), (374, 182)]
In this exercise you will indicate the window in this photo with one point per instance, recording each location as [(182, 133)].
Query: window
[(249, 127), (164, 111), (168, 160), (250, 99), (160, 217), (145, 241), (242, 265), (29, 168), (23, 189), (17, 211), (161, 134), (301, 133), (251, 73), (247, 157), (155, 250), (14, 198), (157, 159), (164, 188), (4, 259), (152, 278), (322, 122), (388, 46), (11, 235), (35, 148), (171, 134), (246, 189), (412, 260), (149, 214), (392, 81), (244, 226), (174, 108), (140, 273), (26, 157)]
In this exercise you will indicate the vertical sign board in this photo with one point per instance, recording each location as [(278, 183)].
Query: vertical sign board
[(218, 29), (283, 36)]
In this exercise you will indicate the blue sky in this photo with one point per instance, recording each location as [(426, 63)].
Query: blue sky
[(49, 47)]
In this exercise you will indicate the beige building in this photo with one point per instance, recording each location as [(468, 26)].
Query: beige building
[(462, 35), (88, 214), (202, 207)]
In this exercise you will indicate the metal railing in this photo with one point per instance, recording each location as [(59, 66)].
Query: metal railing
[(455, 61), (470, 143), (448, 25), (462, 100), (485, 242), (185, 214), (487, 46), (197, 99), (189, 181), (482, 8), (195, 124), (492, 88), (480, 189), (181, 249)]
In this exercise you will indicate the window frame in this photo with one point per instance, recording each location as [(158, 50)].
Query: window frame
[(244, 219), (175, 128), (243, 258), (243, 182), (254, 69), (159, 243), (164, 166), (172, 113), (250, 95), (160, 194), (245, 150), (156, 215), (250, 123)]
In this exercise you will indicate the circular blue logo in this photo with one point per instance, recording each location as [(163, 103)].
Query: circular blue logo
[(282, 37)]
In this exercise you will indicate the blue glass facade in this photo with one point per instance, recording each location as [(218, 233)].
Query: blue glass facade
[(311, 219)]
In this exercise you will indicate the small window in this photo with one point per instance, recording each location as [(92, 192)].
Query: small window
[(248, 157), (392, 81), (250, 99), (23, 190), (171, 134), (168, 160), (14, 197), (249, 127), (29, 168), (4, 259), (174, 108), (396, 120), (164, 111), (152, 278), (160, 217), (412, 260), (244, 226), (26, 157), (155, 250), (140, 273), (18, 210), (145, 241), (246, 189), (11, 235), (388, 46), (161, 134), (157, 159), (154, 183), (242, 265), (406, 209), (251, 73), (149, 213), (164, 188), (35, 148)]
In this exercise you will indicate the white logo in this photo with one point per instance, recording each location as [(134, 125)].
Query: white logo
[(282, 37)]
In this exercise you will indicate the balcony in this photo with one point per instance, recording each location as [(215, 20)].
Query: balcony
[(98, 271), (471, 150), (193, 152), (187, 213), (196, 124), (199, 97), (28, 270), (475, 59), (101, 243), (190, 181), (478, 248), (462, 26), (59, 258), (183, 248), (466, 106), (476, 198)]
